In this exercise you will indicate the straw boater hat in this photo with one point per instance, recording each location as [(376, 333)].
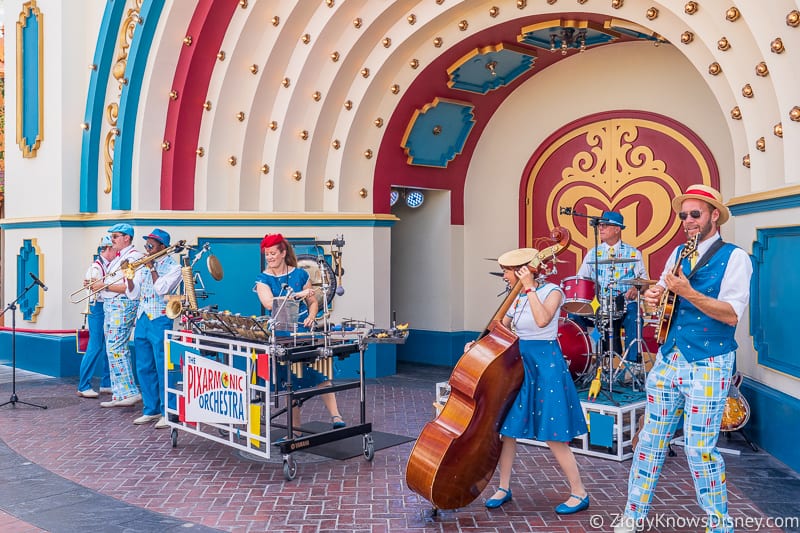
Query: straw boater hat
[(518, 257), (707, 194)]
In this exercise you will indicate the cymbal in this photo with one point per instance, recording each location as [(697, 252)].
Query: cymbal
[(638, 282), (214, 267), (615, 261)]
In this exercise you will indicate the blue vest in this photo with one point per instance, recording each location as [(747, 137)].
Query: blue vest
[(696, 335)]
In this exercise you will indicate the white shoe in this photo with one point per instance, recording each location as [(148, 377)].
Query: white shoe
[(162, 423), (144, 419), (88, 393), (105, 390), (130, 400)]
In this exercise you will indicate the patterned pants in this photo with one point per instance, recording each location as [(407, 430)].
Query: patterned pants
[(698, 391), (120, 315)]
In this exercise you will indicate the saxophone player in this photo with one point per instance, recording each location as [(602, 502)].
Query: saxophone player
[(693, 368), (96, 350)]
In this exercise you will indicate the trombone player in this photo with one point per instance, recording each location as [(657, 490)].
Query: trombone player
[(120, 313), (150, 286), (96, 350)]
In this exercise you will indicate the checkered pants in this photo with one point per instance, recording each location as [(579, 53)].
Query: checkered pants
[(120, 316), (698, 391)]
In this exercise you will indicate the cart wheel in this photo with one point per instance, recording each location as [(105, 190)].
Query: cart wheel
[(174, 436), (289, 468), (369, 448)]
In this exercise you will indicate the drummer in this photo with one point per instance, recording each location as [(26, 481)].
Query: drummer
[(283, 278), (620, 262)]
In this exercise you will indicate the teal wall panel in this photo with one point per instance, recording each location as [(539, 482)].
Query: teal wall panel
[(436, 348), (775, 290), (52, 355), (774, 422)]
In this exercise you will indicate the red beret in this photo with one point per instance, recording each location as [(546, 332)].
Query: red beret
[(271, 239)]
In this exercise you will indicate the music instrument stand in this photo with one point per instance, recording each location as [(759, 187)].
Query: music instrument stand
[(14, 400), (604, 357), (637, 378)]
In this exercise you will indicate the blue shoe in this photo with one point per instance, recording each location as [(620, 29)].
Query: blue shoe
[(494, 503), (563, 508), (337, 422)]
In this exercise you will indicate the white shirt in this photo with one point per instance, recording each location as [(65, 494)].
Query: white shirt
[(522, 317), (735, 286), (131, 254)]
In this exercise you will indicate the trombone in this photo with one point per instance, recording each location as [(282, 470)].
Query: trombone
[(128, 270)]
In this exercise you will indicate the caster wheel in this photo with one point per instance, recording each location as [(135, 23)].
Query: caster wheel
[(289, 468), (174, 435), (369, 448)]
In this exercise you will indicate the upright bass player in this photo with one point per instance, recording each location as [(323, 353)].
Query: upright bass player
[(547, 407)]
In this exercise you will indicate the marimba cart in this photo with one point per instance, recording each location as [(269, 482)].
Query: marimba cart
[(222, 387)]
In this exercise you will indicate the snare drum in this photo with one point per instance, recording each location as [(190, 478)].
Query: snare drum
[(574, 345), (578, 295)]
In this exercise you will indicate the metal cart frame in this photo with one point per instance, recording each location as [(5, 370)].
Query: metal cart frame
[(242, 356)]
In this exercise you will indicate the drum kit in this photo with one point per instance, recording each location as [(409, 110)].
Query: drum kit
[(582, 299)]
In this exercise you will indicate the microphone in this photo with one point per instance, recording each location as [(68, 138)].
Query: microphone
[(339, 290), (37, 281), (564, 210)]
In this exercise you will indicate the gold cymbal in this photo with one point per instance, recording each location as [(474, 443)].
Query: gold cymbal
[(638, 282), (615, 261), (214, 267)]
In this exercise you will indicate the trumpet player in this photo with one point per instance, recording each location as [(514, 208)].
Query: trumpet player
[(120, 313), (96, 350), (159, 277)]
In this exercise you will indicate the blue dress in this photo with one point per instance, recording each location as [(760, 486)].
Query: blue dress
[(296, 279), (547, 407)]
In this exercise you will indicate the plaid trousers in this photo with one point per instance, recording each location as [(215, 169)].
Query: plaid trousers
[(120, 317), (697, 390)]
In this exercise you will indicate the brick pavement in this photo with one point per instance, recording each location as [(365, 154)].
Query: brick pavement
[(217, 488)]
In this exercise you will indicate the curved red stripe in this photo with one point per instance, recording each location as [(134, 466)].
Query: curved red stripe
[(192, 76)]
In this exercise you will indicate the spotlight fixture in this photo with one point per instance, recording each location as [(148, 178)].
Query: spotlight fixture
[(414, 198), (394, 196)]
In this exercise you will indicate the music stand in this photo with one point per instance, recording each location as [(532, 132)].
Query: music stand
[(13, 307)]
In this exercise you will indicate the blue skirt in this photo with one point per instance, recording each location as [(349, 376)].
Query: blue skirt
[(547, 406)]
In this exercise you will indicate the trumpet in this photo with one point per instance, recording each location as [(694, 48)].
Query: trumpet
[(128, 270)]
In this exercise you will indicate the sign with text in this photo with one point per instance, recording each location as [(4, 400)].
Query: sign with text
[(214, 392)]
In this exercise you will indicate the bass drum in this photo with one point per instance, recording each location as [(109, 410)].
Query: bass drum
[(575, 346), (310, 264)]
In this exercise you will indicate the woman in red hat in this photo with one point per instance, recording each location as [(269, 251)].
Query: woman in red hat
[(283, 278)]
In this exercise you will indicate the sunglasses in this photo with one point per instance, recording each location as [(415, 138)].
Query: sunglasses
[(695, 214), (148, 246)]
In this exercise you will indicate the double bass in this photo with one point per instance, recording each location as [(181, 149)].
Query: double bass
[(456, 454)]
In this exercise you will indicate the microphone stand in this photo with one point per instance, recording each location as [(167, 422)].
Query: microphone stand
[(13, 307), (595, 221)]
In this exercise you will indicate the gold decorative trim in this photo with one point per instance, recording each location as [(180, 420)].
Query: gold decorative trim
[(29, 9), (774, 194), (124, 38)]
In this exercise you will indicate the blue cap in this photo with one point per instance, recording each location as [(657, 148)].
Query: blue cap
[(122, 227), (160, 235), (613, 218), (105, 242)]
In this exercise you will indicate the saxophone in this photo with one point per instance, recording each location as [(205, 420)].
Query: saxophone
[(175, 307)]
